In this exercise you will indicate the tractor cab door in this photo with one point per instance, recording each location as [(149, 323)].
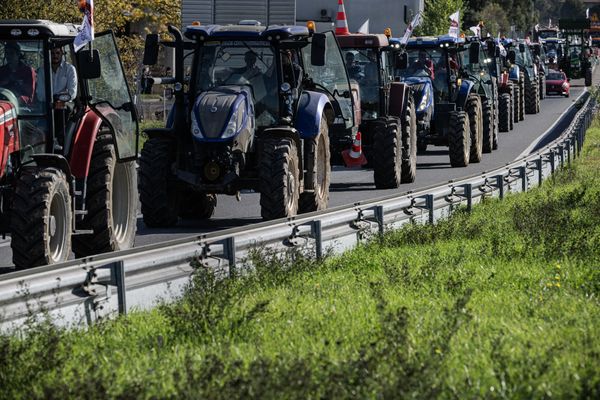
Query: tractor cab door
[(333, 77), (111, 99)]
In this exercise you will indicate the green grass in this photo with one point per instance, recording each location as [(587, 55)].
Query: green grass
[(499, 303)]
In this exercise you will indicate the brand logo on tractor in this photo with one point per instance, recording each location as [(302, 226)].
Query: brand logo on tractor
[(213, 109)]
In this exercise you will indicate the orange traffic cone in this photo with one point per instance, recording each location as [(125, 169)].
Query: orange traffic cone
[(341, 24), (354, 157)]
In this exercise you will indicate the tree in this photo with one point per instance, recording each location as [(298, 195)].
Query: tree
[(572, 9), (495, 19), (436, 16)]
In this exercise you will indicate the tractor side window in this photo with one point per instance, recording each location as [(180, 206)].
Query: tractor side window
[(332, 76), (363, 66), (111, 98)]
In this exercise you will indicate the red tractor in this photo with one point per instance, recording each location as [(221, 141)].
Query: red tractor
[(68, 141)]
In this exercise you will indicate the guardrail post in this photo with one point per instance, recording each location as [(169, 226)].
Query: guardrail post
[(468, 194), (552, 161), (317, 232), (568, 152), (539, 164), (429, 206), (561, 149), (523, 173), (379, 217), (229, 253), (119, 275), (500, 185)]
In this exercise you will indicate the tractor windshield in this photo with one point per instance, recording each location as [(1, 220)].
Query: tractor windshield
[(246, 63), (431, 62), (362, 65), (20, 64), (524, 58)]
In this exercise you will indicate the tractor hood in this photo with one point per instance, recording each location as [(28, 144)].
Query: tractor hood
[(223, 113), (423, 92)]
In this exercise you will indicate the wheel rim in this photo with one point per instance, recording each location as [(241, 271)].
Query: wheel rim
[(58, 228), (290, 186), (121, 204), (321, 168)]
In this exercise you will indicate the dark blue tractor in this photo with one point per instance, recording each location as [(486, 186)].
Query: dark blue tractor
[(257, 113), (519, 54), (448, 107)]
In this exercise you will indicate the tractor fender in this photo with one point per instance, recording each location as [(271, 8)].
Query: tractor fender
[(56, 161), (288, 132), (399, 93), (311, 107), (463, 92), (83, 144), (514, 73)]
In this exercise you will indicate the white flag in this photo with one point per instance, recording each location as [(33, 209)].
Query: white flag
[(416, 21), (476, 30), (454, 24), (364, 28), (86, 32)]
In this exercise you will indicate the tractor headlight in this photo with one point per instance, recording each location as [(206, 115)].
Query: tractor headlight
[(231, 128)]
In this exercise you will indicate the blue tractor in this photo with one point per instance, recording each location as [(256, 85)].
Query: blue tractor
[(259, 107), (449, 110)]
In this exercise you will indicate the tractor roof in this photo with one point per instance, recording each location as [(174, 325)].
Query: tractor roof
[(247, 32), (355, 40), (434, 41), (32, 28)]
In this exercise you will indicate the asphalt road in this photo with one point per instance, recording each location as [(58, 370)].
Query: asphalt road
[(350, 186)]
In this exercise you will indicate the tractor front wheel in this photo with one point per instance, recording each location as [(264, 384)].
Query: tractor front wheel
[(279, 178), (409, 143), (111, 202), (459, 139), (42, 218), (476, 124), (387, 164), (197, 206), (318, 160), (488, 126), (504, 112)]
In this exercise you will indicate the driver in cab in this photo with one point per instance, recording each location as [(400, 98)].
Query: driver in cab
[(424, 63), (250, 70), (64, 79), (15, 75)]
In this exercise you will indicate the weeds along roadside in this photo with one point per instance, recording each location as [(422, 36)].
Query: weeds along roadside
[(500, 302)]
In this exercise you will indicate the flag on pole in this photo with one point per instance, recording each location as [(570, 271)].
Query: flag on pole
[(454, 24), (86, 32), (364, 28), (476, 30), (416, 21)]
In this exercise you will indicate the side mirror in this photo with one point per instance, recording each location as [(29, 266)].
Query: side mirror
[(151, 49), (522, 47), (474, 52), (318, 49), (512, 56), (402, 61), (89, 64)]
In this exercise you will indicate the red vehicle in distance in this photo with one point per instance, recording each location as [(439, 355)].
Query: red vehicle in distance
[(558, 83)]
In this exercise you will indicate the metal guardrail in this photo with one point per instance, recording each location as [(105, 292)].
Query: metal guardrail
[(82, 291)]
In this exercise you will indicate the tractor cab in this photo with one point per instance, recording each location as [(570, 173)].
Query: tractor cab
[(53, 127)]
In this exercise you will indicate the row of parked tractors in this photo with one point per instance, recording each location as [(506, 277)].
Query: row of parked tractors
[(266, 109)]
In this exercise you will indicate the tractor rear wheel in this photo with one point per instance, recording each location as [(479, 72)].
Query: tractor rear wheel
[(409, 143), (387, 164), (542, 88), (279, 178), (532, 98), (111, 202), (476, 124), (318, 155), (488, 126), (504, 112), (516, 104), (158, 195), (196, 206), (459, 139), (42, 218), (588, 77)]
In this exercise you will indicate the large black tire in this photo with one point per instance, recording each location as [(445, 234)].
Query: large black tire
[(488, 126), (158, 193), (542, 88), (111, 202), (42, 218), (522, 96), (476, 124), (532, 97), (504, 114), (387, 162), (516, 103), (588, 77), (317, 158), (279, 178), (512, 108), (459, 139), (409, 143), (196, 206)]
